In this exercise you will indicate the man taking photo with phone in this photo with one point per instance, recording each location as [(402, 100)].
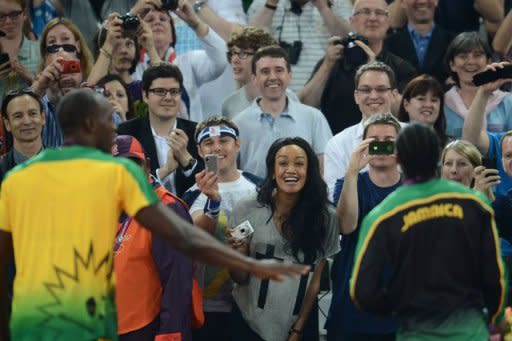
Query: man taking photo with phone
[(356, 195), (212, 199)]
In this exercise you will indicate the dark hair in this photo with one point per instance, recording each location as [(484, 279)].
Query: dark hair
[(101, 36), (77, 106), (418, 150), (420, 86), (377, 67), (10, 95), (110, 78), (463, 43), (381, 118), (273, 51), (305, 228), (215, 121), (163, 70)]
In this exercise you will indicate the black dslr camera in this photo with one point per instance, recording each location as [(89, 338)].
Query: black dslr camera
[(130, 22), (293, 50), (169, 5), (354, 54)]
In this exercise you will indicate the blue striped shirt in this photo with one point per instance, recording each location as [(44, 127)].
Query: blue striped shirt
[(52, 134)]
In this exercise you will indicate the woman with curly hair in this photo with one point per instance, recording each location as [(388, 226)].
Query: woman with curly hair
[(294, 222)]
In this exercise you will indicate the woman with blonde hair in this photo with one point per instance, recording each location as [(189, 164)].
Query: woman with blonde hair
[(75, 38), (462, 162), (61, 46)]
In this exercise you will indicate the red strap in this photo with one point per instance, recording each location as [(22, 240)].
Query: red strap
[(170, 60)]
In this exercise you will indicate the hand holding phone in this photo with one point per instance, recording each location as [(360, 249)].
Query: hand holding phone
[(489, 76), (381, 148), (489, 162), (4, 58), (211, 162)]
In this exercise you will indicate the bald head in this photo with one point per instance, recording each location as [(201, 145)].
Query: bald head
[(77, 106)]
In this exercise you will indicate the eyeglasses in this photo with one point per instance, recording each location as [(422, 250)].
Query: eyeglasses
[(11, 15), (241, 54), (367, 90), (162, 92), (56, 48), (366, 12)]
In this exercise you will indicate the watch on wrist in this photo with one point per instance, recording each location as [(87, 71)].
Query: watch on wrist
[(191, 163), (198, 5)]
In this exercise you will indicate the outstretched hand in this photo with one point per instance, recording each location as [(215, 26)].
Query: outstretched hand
[(277, 271)]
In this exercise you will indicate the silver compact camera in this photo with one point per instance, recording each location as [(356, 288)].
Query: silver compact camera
[(242, 231)]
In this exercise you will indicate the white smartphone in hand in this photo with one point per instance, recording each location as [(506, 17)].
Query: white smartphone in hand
[(211, 162)]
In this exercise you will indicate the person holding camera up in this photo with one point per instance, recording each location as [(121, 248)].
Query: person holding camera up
[(212, 200), (357, 194), (331, 87), (302, 28), (65, 63), (197, 67)]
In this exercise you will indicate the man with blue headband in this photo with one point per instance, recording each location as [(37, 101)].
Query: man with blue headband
[(211, 202)]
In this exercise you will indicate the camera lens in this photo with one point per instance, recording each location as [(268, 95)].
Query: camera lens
[(169, 5)]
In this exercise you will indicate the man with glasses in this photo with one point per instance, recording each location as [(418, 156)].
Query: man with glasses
[(375, 90), (167, 139), (244, 42), (303, 28), (331, 86)]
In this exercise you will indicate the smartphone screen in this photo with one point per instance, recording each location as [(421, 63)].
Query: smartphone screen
[(381, 148), (488, 162), (4, 58), (211, 162)]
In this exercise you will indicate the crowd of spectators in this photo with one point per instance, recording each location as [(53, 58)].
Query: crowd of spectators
[(264, 114)]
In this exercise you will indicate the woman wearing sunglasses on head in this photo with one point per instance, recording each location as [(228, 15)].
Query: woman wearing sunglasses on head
[(20, 56)]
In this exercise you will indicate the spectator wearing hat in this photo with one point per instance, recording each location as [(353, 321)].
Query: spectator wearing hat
[(154, 281)]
